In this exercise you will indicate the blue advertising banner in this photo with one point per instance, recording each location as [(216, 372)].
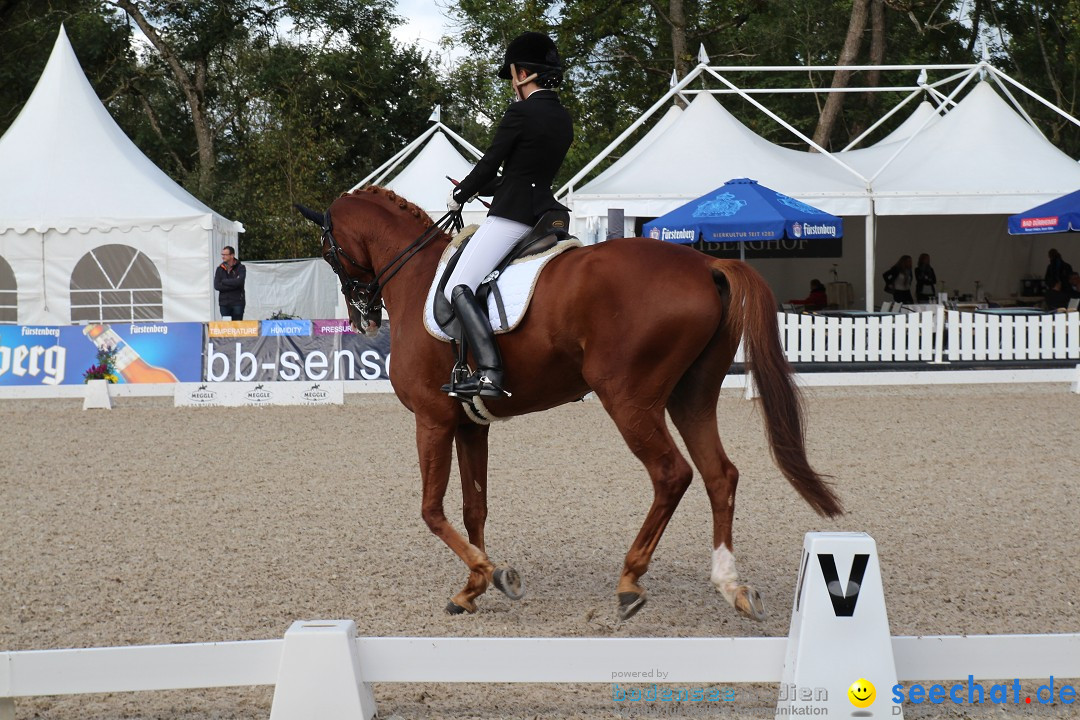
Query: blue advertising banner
[(329, 351), (145, 352)]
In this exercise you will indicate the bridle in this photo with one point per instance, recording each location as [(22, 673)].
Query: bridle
[(366, 297)]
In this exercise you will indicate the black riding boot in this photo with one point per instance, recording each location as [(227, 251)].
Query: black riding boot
[(487, 380)]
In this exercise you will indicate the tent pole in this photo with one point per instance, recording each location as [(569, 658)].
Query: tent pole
[(870, 261)]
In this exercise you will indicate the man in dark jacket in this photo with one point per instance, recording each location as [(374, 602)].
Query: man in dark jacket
[(229, 282), (530, 144)]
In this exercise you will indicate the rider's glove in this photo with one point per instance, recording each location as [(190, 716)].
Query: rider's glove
[(452, 204)]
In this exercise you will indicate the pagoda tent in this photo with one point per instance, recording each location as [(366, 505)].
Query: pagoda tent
[(90, 228), (418, 172)]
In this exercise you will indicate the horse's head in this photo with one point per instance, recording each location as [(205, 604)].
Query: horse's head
[(366, 236), (358, 282)]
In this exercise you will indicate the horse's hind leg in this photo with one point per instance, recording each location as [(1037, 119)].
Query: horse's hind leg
[(645, 431), (693, 410), (434, 443)]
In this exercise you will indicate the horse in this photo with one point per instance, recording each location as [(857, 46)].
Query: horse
[(647, 326)]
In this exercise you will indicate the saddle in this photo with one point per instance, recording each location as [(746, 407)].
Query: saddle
[(548, 232)]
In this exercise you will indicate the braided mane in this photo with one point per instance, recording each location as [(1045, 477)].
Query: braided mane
[(396, 199)]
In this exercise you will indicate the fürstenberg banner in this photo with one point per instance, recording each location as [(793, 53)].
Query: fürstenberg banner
[(146, 352), (294, 350)]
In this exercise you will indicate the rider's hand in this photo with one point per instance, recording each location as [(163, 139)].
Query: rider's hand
[(452, 204)]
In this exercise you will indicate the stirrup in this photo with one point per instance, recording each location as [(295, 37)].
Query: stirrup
[(476, 384), (458, 375)]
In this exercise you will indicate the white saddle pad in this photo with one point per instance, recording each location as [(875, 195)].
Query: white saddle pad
[(516, 285)]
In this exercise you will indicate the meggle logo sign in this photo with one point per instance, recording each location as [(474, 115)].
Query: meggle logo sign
[(28, 362)]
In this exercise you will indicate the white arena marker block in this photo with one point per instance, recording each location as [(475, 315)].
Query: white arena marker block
[(1076, 381), (839, 633), (320, 677), (97, 395)]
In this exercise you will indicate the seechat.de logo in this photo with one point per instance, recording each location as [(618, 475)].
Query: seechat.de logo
[(862, 693)]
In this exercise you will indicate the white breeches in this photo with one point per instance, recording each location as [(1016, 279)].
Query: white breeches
[(485, 249)]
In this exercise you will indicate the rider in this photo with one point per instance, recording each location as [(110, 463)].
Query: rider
[(530, 144)]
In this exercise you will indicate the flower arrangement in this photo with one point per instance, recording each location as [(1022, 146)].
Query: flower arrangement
[(105, 369)]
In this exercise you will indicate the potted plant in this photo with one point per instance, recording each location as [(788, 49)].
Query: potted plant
[(105, 368)]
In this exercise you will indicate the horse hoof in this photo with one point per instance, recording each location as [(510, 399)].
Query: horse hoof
[(748, 602), (508, 580), (630, 603), (452, 608)]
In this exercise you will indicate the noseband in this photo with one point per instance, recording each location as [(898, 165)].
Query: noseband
[(366, 297)]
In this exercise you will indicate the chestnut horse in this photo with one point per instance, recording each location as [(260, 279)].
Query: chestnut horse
[(646, 325)]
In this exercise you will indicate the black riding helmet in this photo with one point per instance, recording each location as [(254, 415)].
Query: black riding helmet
[(537, 53)]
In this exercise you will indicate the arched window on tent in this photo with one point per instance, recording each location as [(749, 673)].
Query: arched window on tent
[(9, 295), (115, 283)]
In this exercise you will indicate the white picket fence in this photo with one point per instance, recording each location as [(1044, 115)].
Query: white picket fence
[(930, 337)]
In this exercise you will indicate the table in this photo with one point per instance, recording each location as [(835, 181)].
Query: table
[(1011, 311)]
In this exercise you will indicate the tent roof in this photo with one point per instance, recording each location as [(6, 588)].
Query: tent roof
[(656, 131), (423, 181), (66, 165), (699, 150), (980, 158), (923, 116)]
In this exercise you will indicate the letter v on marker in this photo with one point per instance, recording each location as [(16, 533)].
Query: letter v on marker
[(843, 600)]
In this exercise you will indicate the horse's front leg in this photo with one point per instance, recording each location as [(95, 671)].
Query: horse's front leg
[(434, 443), (472, 452)]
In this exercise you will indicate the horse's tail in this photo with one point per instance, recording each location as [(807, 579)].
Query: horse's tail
[(751, 314)]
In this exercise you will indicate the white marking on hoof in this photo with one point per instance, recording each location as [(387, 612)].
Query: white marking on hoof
[(724, 575)]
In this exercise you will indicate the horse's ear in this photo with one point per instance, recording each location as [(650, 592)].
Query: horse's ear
[(312, 215)]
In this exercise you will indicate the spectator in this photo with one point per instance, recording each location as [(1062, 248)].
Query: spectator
[(1057, 270), (898, 280), (229, 282), (816, 300), (925, 280), (1074, 285), (1056, 298)]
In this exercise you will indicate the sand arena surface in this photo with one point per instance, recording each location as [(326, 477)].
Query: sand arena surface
[(149, 524)]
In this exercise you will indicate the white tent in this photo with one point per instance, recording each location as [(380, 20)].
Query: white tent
[(938, 184), (431, 158), (90, 228)]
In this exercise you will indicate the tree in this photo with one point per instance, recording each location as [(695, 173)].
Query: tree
[(28, 30), (1038, 44)]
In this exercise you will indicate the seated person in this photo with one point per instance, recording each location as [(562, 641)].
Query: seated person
[(1055, 297), (1074, 286), (816, 300)]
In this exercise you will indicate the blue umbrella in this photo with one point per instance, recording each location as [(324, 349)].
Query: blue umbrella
[(741, 210), (1057, 216)]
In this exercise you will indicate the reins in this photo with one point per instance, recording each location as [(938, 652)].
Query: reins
[(366, 297)]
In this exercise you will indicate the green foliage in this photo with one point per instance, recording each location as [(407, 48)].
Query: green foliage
[(27, 32)]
